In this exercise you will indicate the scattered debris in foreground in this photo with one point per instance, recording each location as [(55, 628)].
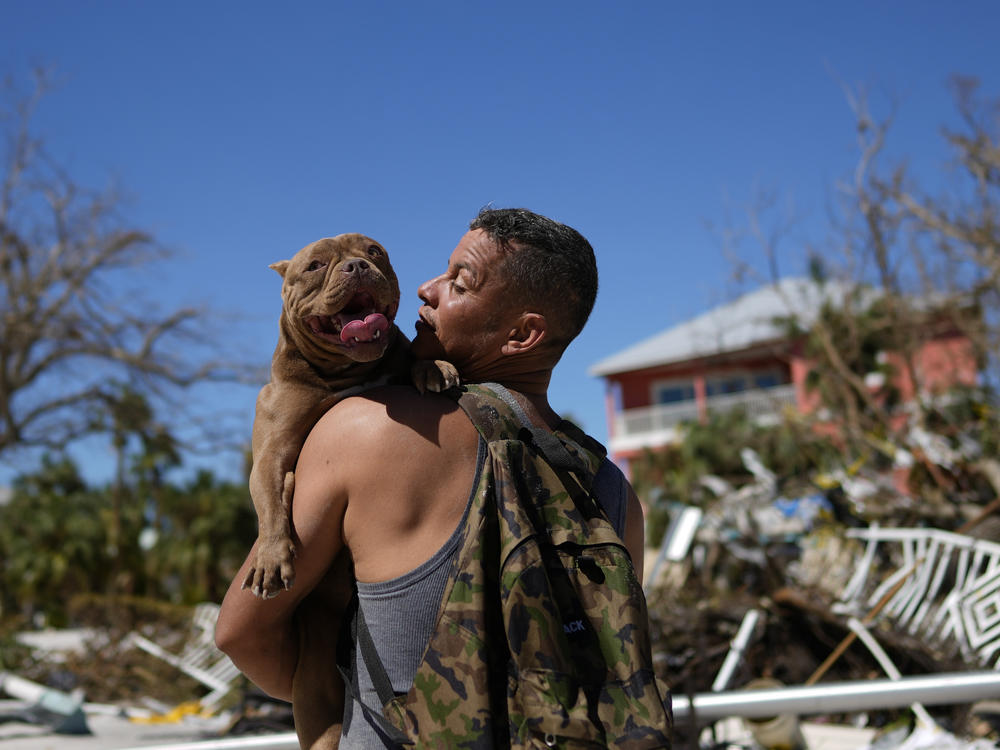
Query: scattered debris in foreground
[(772, 583), (779, 581)]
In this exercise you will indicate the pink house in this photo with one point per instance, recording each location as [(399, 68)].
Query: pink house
[(740, 354)]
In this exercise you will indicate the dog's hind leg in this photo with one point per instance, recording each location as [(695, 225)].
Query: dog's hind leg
[(317, 688)]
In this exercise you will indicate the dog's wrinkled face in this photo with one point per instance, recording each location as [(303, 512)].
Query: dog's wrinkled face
[(340, 297)]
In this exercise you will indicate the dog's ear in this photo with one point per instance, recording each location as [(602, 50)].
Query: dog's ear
[(281, 266)]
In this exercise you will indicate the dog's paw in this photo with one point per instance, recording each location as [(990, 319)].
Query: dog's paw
[(434, 375), (273, 570)]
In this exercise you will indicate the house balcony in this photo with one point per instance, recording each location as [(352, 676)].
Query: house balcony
[(652, 426)]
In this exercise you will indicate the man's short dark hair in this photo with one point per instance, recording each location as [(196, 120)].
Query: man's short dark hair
[(552, 267)]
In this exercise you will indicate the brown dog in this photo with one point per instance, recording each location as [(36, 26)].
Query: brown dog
[(337, 337)]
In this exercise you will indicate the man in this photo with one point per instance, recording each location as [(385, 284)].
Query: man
[(388, 475)]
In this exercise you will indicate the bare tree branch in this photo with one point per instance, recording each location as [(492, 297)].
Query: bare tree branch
[(67, 331), (913, 267)]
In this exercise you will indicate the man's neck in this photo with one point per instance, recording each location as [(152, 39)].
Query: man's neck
[(527, 376), (540, 404)]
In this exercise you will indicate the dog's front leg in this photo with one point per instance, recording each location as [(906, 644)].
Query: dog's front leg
[(284, 415), (274, 567)]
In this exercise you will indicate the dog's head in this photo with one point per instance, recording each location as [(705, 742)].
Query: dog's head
[(340, 296)]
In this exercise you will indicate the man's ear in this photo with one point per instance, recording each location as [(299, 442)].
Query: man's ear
[(530, 333), (281, 266)]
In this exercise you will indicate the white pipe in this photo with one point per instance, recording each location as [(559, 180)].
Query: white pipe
[(18, 687), (49, 698), (843, 697), (940, 689), (739, 644), (282, 741)]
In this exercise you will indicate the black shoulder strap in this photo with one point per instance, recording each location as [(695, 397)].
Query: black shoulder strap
[(355, 634)]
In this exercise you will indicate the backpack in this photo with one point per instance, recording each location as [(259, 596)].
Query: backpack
[(542, 635)]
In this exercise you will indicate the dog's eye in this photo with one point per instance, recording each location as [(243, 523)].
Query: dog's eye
[(374, 251), (316, 265)]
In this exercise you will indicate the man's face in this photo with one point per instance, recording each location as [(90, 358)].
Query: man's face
[(466, 314)]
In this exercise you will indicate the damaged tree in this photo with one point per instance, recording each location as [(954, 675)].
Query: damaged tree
[(903, 351), (70, 335), (928, 267), (902, 428)]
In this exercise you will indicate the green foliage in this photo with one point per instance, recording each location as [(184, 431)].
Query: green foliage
[(970, 412), (863, 335), (205, 530), (55, 540), (14, 656)]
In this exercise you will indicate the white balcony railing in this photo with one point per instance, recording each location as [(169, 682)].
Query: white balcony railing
[(655, 425), (761, 402)]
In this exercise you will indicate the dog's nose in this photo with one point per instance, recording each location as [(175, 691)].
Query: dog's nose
[(354, 265)]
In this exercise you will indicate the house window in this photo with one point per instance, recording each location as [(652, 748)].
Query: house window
[(766, 380), (737, 383), (731, 384), (673, 393)]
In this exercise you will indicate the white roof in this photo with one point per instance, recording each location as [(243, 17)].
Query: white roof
[(748, 320)]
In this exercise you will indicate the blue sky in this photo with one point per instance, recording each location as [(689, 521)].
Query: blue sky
[(243, 131)]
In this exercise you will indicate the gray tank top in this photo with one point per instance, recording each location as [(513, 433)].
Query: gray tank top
[(400, 612)]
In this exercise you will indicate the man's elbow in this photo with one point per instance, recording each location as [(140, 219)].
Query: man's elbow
[(236, 629), (228, 637), (225, 639), (258, 649)]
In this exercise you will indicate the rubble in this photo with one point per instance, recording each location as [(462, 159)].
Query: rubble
[(761, 580), (90, 688), (789, 556)]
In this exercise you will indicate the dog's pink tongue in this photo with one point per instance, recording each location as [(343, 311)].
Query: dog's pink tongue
[(364, 330)]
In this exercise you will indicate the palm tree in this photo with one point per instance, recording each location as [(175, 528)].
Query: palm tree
[(208, 527), (53, 534)]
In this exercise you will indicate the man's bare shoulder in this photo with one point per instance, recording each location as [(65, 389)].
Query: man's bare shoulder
[(388, 415)]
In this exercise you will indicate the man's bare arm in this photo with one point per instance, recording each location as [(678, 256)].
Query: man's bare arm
[(635, 532), (259, 635)]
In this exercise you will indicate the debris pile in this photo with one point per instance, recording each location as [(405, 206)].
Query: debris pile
[(98, 661), (819, 563), (100, 676), (844, 578)]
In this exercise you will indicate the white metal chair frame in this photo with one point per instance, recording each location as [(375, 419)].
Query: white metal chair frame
[(200, 658), (964, 608)]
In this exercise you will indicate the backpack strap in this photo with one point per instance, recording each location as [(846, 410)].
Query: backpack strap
[(355, 635), (496, 414)]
